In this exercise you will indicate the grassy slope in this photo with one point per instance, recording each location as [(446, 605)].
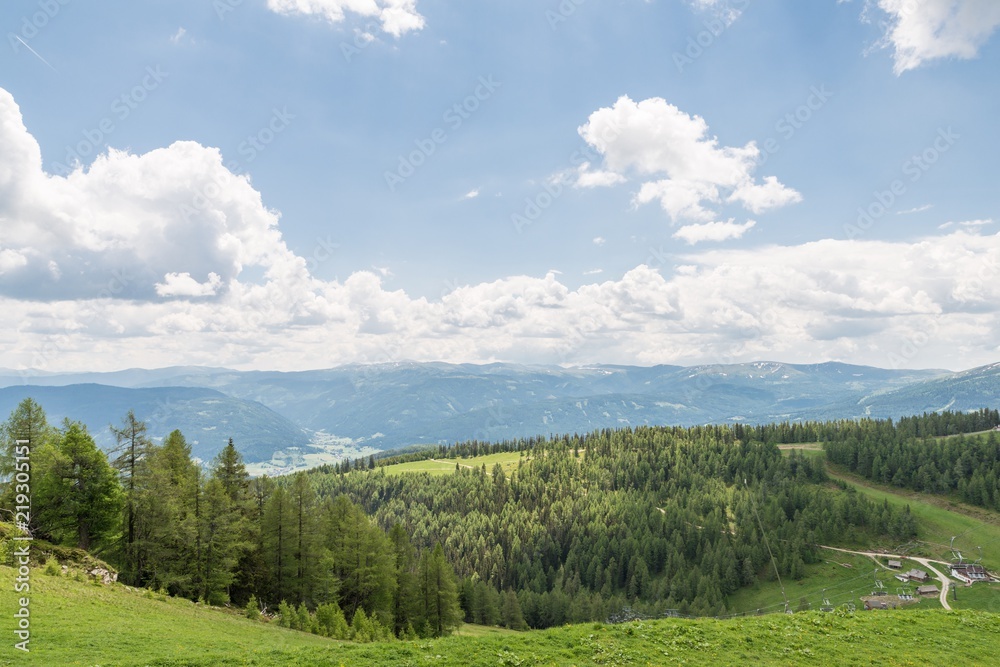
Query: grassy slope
[(508, 460), (939, 518), (76, 623)]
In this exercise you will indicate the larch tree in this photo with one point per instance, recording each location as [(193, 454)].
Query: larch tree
[(77, 492), (130, 460), (438, 594)]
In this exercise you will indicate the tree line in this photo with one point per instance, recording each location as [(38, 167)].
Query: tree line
[(213, 533), (915, 453)]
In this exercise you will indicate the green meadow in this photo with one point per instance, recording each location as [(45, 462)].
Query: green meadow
[(79, 623)]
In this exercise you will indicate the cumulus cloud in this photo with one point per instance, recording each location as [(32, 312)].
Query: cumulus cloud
[(141, 260), (932, 29), (148, 226), (596, 178), (679, 164), (182, 284), (396, 17), (713, 231)]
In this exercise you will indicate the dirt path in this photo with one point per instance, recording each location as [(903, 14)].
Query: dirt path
[(926, 562)]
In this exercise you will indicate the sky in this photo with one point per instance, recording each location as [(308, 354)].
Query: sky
[(297, 184)]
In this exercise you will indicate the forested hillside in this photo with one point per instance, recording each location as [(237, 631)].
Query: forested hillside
[(915, 454), (652, 519)]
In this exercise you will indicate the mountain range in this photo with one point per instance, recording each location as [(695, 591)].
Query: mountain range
[(389, 406)]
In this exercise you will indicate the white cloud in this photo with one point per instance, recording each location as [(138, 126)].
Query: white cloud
[(713, 231), (968, 224), (924, 30), (765, 196), (102, 270), (128, 223), (182, 284), (679, 163), (593, 272), (11, 260), (596, 178), (471, 194), (918, 209), (396, 17), (599, 240), (178, 36)]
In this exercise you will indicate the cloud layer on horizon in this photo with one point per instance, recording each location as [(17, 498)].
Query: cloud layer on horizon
[(168, 258)]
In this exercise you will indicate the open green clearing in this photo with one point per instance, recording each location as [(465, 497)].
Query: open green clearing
[(939, 519), (77, 623), (830, 579), (509, 461)]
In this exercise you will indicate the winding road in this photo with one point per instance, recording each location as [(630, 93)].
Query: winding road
[(945, 582), (926, 562)]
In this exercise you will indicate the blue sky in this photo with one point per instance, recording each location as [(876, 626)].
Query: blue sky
[(304, 183)]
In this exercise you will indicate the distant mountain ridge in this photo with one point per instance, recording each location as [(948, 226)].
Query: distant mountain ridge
[(388, 406), (207, 418)]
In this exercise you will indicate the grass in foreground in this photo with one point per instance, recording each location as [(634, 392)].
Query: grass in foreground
[(77, 623)]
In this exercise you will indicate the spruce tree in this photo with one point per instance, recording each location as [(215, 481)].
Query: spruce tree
[(77, 493)]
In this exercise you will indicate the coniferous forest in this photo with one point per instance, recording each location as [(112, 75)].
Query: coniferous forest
[(652, 519)]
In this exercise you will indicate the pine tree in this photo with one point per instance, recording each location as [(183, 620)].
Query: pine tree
[(438, 593), (228, 468), (278, 543), (330, 619), (168, 504), (303, 500), (363, 560), (130, 461), (510, 612), (221, 542), (77, 492), (27, 423), (405, 597)]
